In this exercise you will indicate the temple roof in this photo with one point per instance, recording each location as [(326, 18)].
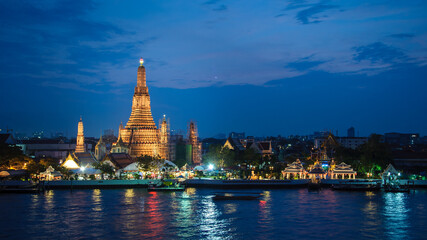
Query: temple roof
[(317, 169), (120, 160), (235, 143), (343, 168), (85, 159), (295, 167)]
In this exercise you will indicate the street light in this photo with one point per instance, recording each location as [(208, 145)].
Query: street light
[(210, 167)]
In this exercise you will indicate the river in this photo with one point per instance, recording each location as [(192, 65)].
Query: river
[(279, 214)]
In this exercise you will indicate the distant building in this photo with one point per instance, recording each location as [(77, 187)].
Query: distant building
[(53, 148), (237, 135), (347, 142), (409, 161), (39, 134), (401, 139), (109, 132), (176, 142), (350, 132)]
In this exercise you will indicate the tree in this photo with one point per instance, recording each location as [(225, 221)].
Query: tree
[(250, 156), (376, 155), (219, 156), (104, 168), (10, 153), (35, 168), (149, 163), (66, 173)]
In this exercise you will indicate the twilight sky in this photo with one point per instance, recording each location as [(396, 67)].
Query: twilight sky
[(262, 67)]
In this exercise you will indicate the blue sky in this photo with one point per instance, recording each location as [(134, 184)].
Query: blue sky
[(263, 67)]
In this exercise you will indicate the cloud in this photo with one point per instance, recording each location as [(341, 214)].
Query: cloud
[(60, 41), (220, 8), (211, 2), (215, 6), (307, 16), (379, 52), (308, 12), (304, 64), (402, 35)]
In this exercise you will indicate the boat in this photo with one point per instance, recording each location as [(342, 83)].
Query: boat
[(165, 189), (30, 188), (166, 186), (238, 184), (236, 196), (396, 189), (314, 186)]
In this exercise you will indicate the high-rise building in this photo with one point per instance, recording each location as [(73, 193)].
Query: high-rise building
[(140, 133), (350, 132), (80, 142)]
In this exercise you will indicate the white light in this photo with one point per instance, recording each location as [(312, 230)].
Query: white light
[(210, 167), (398, 174), (82, 169)]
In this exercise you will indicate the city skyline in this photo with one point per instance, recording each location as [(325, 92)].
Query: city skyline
[(267, 69)]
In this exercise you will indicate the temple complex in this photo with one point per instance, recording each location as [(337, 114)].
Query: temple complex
[(140, 133), (80, 143)]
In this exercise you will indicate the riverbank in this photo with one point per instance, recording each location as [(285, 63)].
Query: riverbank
[(98, 184)]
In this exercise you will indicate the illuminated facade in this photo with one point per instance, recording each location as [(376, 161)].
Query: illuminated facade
[(164, 138), (140, 133), (80, 144), (295, 170), (342, 170), (196, 146)]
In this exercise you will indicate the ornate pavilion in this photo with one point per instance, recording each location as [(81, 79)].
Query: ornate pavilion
[(317, 172), (295, 170), (342, 170)]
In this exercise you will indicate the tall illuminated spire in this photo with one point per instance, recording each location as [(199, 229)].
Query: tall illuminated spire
[(80, 137), (140, 132)]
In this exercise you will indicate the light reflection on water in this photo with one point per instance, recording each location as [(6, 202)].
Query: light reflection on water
[(396, 215), (279, 214)]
